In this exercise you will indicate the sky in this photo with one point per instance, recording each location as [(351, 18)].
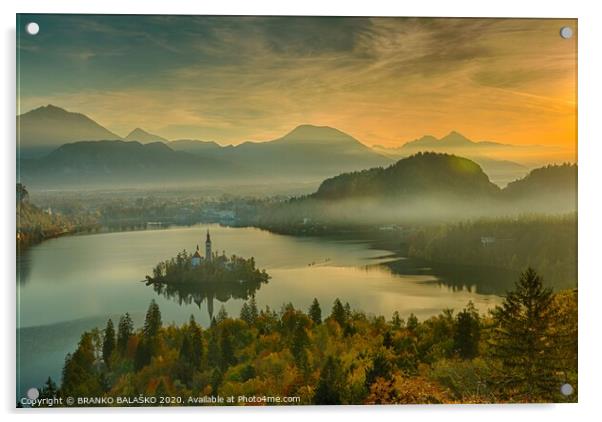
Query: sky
[(384, 81)]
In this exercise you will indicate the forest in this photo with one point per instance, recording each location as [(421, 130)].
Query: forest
[(521, 351), (546, 242)]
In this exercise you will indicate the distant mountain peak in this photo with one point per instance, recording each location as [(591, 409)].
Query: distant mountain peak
[(141, 135), (307, 133), (455, 138), (47, 127)]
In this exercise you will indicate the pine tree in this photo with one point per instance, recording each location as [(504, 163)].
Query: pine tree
[(227, 357), (108, 343), (80, 377), (124, 332), (467, 332), (315, 312), (338, 313), (222, 314), (49, 390), (152, 322), (381, 368), (196, 343), (245, 313), (524, 339), (330, 384), (253, 309)]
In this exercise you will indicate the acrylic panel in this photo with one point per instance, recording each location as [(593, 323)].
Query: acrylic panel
[(255, 210)]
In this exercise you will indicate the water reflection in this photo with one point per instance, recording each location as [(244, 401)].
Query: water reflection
[(474, 279), (197, 293)]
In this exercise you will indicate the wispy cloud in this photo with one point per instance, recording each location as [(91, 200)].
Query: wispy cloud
[(383, 80)]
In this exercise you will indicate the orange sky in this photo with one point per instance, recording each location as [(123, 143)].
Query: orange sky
[(385, 80)]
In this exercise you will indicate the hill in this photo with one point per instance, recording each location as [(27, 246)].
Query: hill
[(143, 136), (553, 187), (45, 128), (423, 188), (123, 164), (420, 174)]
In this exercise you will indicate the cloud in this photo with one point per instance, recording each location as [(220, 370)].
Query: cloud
[(383, 80)]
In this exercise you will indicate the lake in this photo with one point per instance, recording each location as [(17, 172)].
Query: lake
[(70, 284)]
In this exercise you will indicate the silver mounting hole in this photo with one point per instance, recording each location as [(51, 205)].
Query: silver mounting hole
[(566, 32), (32, 28)]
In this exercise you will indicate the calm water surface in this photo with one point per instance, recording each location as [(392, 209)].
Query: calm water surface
[(73, 283)]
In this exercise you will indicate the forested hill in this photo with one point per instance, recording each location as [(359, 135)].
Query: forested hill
[(423, 173), (34, 224), (545, 180)]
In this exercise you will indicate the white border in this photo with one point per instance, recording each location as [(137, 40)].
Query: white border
[(590, 179)]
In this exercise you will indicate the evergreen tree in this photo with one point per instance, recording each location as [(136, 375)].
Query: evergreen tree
[(245, 313), (152, 322), (315, 312), (467, 332), (80, 377), (338, 313), (143, 354), (213, 351), (381, 368), (49, 390), (227, 357), (124, 332), (253, 309), (412, 324), (108, 343), (396, 320), (222, 314), (330, 384), (524, 339), (196, 343)]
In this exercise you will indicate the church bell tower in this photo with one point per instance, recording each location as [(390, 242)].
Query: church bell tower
[(208, 247)]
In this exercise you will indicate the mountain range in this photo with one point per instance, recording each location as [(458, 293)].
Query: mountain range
[(306, 154), (76, 151)]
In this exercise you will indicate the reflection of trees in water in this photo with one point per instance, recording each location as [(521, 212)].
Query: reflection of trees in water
[(482, 280), (197, 293)]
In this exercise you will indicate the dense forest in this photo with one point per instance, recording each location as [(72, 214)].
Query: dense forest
[(522, 351), (548, 243), (35, 224)]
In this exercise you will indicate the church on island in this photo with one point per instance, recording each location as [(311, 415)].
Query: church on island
[(197, 258)]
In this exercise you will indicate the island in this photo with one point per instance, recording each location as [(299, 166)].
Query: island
[(188, 278)]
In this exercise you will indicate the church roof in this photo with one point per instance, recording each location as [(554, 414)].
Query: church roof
[(196, 254)]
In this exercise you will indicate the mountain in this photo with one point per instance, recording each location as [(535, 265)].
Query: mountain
[(194, 146), (422, 174), (489, 155), (124, 164), (143, 136), (307, 153), (46, 128)]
